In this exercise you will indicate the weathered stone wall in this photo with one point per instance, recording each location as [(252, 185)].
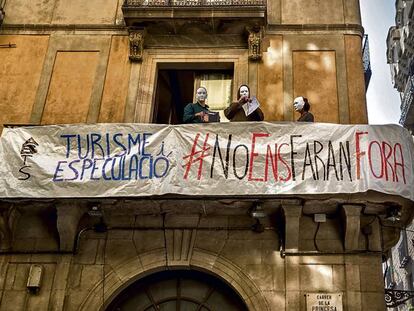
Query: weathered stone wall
[(327, 69), (250, 262)]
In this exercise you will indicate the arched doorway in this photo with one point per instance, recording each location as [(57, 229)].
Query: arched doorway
[(178, 290)]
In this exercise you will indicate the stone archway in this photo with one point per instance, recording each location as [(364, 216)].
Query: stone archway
[(178, 290), (127, 273)]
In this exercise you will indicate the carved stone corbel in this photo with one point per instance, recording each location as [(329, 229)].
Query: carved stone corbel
[(292, 210), (352, 219), (136, 44), (255, 43), (68, 217)]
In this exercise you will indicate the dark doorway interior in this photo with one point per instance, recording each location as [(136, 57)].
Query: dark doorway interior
[(176, 87), (178, 290)]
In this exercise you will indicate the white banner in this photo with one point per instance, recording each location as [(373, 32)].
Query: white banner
[(257, 158)]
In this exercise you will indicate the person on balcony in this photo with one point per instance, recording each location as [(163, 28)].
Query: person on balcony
[(199, 112), (246, 108), (301, 105)]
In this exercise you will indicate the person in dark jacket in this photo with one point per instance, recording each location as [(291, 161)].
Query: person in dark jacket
[(236, 113), (198, 112), (301, 105)]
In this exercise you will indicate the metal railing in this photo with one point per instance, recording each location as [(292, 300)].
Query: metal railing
[(366, 60), (193, 3), (407, 99)]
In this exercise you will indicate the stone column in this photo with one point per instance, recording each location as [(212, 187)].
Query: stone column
[(292, 210)]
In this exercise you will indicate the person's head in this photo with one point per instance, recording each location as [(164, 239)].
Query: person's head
[(301, 104), (201, 94), (244, 90)]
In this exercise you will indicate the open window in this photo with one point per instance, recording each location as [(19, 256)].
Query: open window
[(176, 88)]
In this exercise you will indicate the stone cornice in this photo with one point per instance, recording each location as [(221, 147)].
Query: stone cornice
[(73, 28), (310, 28)]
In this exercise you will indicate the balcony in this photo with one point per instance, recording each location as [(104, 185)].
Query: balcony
[(174, 16), (366, 60), (407, 109)]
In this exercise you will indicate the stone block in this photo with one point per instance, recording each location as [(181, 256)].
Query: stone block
[(87, 251), (322, 260), (251, 235), (316, 278), (57, 299), (13, 300), (275, 300), (292, 273), (91, 274), (216, 221), (203, 259), (81, 12), (10, 276), (120, 234), (74, 276), (371, 278), (259, 302), (39, 301), (262, 276), (148, 221), (119, 251), (148, 240), (338, 278), (352, 301), (373, 301), (293, 300), (20, 278), (212, 241), (243, 252), (153, 258), (330, 245), (279, 280), (271, 253), (352, 276), (47, 244)]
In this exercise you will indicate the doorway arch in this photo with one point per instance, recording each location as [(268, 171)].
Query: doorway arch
[(178, 290)]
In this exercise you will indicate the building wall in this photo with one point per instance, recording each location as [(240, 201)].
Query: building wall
[(324, 65), (71, 65), (250, 262)]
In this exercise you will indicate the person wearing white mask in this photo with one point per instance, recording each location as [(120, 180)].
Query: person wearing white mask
[(236, 113), (301, 105), (197, 112)]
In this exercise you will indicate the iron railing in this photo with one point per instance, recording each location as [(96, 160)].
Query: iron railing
[(407, 99), (193, 3), (366, 60)]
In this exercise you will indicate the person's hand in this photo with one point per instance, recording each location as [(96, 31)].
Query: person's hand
[(200, 115), (242, 100), (205, 117)]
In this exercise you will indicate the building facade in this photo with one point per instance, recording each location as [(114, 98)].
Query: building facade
[(139, 61), (399, 55)]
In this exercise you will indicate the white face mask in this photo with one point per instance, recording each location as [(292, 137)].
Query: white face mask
[(298, 103), (244, 91), (201, 94)]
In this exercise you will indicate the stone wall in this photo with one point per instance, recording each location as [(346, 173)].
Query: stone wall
[(250, 262)]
